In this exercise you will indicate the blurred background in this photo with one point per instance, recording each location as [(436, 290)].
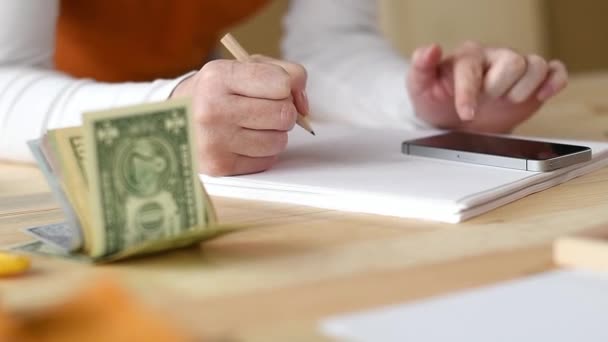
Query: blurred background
[(574, 31)]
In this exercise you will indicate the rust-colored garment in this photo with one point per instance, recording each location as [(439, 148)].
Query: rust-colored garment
[(141, 40)]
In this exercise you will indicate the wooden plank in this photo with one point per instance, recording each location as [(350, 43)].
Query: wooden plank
[(302, 263), (588, 250), (412, 23)]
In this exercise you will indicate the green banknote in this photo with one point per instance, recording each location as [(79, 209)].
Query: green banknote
[(130, 180), (143, 178)]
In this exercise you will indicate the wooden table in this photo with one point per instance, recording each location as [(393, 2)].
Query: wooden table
[(300, 264)]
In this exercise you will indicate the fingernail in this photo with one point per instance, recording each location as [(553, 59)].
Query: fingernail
[(468, 113), (428, 50), (305, 103), (421, 53)]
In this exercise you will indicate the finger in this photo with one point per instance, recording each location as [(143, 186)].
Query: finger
[(251, 79), (298, 76), (468, 78), (526, 86), (257, 143), (248, 112), (423, 71), (296, 72), (302, 103), (247, 165), (555, 82), (506, 68), (278, 115)]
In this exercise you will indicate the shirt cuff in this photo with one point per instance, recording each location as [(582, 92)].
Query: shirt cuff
[(162, 89)]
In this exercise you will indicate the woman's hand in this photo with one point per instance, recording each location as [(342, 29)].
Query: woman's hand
[(243, 111), (479, 88)]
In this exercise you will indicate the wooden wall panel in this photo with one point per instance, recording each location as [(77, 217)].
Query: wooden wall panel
[(578, 33), (514, 23), (575, 31), (261, 34)]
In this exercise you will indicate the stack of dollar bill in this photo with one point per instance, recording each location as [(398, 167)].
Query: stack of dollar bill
[(128, 183)]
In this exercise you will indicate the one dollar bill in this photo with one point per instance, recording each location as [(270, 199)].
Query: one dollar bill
[(128, 180)]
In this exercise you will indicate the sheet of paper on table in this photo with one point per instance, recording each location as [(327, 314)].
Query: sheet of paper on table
[(363, 170), (559, 306)]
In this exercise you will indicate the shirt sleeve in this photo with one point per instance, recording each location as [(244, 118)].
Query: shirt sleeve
[(355, 75), (33, 96)]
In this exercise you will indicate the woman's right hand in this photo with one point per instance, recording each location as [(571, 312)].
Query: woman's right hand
[(243, 111)]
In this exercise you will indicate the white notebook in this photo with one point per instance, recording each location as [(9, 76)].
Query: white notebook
[(363, 170), (559, 306)]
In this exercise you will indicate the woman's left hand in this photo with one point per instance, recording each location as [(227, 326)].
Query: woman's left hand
[(480, 88)]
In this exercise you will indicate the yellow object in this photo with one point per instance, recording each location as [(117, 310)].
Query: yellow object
[(13, 264)]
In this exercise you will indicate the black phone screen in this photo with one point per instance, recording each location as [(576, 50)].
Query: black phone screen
[(500, 146)]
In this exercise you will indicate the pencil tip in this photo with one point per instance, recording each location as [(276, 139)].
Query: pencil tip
[(313, 133)]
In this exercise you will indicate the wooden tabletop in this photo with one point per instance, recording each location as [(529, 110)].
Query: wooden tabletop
[(274, 281)]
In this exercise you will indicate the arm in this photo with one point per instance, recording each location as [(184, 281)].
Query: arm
[(33, 96), (354, 74)]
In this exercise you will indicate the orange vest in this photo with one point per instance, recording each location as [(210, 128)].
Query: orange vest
[(141, 40)]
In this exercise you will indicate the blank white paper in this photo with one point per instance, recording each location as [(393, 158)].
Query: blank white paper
[(363, 170), (559, 306)]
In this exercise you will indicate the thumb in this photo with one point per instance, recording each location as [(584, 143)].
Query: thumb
[(424, 68)]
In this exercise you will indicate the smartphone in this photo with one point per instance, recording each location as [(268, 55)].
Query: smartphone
[(498, 151)]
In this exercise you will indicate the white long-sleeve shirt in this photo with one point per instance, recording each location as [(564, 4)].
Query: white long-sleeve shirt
[(354, 74)]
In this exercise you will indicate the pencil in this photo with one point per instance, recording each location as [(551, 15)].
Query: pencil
[(241, 55)]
